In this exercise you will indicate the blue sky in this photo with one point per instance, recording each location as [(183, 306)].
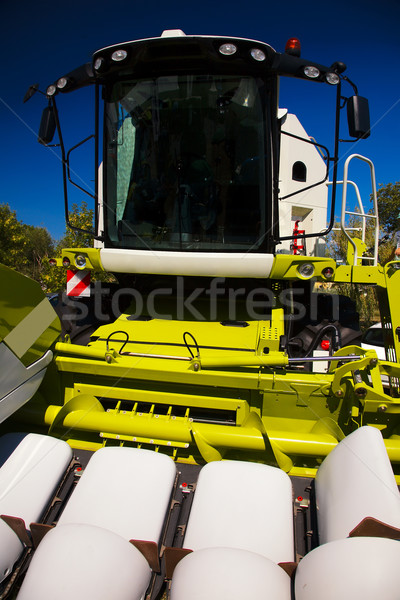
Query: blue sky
[(40, 41)]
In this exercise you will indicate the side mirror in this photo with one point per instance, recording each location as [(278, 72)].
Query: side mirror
[(358, 117), (47, 126)]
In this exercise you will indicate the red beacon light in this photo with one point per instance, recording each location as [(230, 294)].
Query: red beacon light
[(293, 47), (325, 344)]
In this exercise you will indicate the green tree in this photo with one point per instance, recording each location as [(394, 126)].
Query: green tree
[(25, 248), (389, 207), (13, 243), (38, 248), (54, 279), (82, 217)]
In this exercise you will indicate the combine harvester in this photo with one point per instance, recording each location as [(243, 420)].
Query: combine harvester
[(213, 405)]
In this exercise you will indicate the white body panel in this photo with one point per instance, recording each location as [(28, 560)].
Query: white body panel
[(219, 573), (207, 264), (243, 505), (82, 562), (125, 490), (18, 383), (28, 479), (355, 481), (357, 568)]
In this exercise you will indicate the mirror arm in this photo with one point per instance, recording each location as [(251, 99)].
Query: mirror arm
[(68, 166), (335, 155), (353, 85), (64, 162)]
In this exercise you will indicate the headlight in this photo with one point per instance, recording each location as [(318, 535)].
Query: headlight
[(311, 72), (227, 49), (80, 261), (332, 78), (306, 270), (119, 55), (98, 63), (62, 83), (257, 54)]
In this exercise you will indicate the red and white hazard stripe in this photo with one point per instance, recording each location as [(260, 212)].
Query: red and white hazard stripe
[(78, 283)]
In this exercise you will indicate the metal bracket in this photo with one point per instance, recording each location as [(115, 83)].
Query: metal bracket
[(149, 551), (172, 557), (19, 528)]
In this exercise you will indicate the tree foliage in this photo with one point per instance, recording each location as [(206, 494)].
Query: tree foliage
[(53, 278), (39, 246), (23, 247), (389, 207), (82, 217), (12, 239)]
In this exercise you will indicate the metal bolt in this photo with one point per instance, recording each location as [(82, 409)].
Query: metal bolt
[(360, 392), (373, 362), (108, 358), (339, 393), (196, 366), (382, 408)]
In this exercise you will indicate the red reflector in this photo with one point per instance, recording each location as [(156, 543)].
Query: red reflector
[(300, 498), (325, 344), (184, 484), (293, 47)]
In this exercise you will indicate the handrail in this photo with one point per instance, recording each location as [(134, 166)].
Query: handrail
[(362, 213)]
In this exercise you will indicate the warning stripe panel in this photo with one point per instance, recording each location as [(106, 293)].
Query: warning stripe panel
[(78, 283)]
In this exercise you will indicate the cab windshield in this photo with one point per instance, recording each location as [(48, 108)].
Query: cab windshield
[(186, 163)]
